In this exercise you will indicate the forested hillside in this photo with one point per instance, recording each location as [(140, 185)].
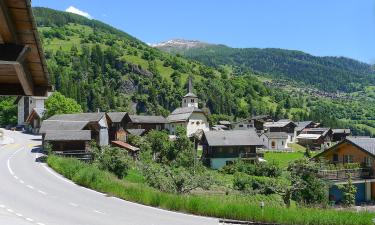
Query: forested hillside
[(326, 73), (104, 68)]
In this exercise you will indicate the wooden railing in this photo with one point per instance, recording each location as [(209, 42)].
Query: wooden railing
[(247, 155), (81, 155), (343, 174)]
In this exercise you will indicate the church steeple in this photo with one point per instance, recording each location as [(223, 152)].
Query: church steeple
[(190, 99)]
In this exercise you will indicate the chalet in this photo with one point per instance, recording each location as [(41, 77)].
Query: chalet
[(358, 150), (315, 138), (34, 120), (275, 140), (280, 126), (25, 106), (223, 147), (301, 125), (340, 134), (97, 123), (145, 122), (117, 125), (243, 125), (258, 121), (68, 141), (225, 123), (188, 116), (23, 68)]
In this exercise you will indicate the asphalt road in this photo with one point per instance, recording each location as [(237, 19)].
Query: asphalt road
[(32, 193)]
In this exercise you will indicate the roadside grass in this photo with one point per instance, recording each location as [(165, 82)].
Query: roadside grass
[(230, 207)]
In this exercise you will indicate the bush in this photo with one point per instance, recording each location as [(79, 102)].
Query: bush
[(258, 185), (266, 169), (114, 160), (230, 207)]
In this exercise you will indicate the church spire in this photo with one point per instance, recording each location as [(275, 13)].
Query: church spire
[(190, 90)]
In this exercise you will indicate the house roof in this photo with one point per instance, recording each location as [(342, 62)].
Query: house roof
[(278, 124), (90, 117), (309, 136), (116, 117), (138, 132), (48, 125), (23, 70), (68, 135), (302, 125), (320, 130), (232, 138), (183, 114), (261, 117), (341, 131), (125, 145), (224, 122), (190, 94), (276, 135), (147, 119), (38, 112), (365, 144)]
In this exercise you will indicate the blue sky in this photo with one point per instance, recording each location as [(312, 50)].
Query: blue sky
[(320, 27)]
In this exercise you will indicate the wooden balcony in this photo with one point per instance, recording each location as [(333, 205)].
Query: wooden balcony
[(251, 155), (343, 174)]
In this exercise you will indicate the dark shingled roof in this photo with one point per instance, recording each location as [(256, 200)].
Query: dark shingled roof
[(192, 95), (116, 117), (182, 114), (224, 122), (278, 124), (278, 135), (302, 125), (341, 131), (233, 138), (91, 117), (138, 132), (65, 135), (147, 119), (48, 125), (367, 144)]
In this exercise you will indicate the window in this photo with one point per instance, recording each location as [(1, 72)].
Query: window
[(368, 161), (241, 125), (335, 158), (158, 127), (348, 159), (192, 100), (198, 123), (184, 100), (139, 126), (273, 144), (228, 163), (282, 142), (192, 122), (248, 126)]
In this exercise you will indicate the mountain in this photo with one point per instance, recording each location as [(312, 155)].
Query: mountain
[(177, 45), (104, 68), (326, 73)]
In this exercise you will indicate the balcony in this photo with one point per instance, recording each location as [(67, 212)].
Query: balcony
[(343, 174), (251, 155)]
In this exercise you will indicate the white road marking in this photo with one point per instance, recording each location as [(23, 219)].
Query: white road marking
[(73, 204), (29, 219), (19, 215), (42, 192), (29, 186), (40, 223), (99, 212), (21, 181), (15, 177), (10, 169), (58, 176), (10, 210)]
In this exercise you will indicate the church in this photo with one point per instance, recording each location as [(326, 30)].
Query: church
[(188, 115)]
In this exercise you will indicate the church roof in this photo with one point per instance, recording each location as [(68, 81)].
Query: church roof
[(190, 94), (182, 114)]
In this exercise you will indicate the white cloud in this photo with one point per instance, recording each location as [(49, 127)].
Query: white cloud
[(74, 10)]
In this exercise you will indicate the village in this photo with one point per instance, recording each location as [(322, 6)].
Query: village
[(219, 144)]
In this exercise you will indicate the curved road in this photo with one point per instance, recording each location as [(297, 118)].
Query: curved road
[(31, 193)]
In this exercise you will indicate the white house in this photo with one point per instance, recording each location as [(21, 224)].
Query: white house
[(275, 140), (188, 116), (26, 105)]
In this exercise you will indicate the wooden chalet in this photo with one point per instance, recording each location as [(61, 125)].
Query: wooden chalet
[(23, 68), (145, 122)]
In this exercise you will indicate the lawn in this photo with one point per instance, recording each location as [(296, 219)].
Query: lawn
[(283, 158)]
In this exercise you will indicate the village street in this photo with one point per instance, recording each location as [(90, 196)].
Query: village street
[(31, 193)]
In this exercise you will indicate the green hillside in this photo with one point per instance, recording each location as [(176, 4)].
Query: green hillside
[(326, 73), (104, 68)]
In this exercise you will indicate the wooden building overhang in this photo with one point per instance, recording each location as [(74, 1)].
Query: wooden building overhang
[(23, 68)]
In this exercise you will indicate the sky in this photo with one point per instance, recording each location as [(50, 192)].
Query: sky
[(319, 27)]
